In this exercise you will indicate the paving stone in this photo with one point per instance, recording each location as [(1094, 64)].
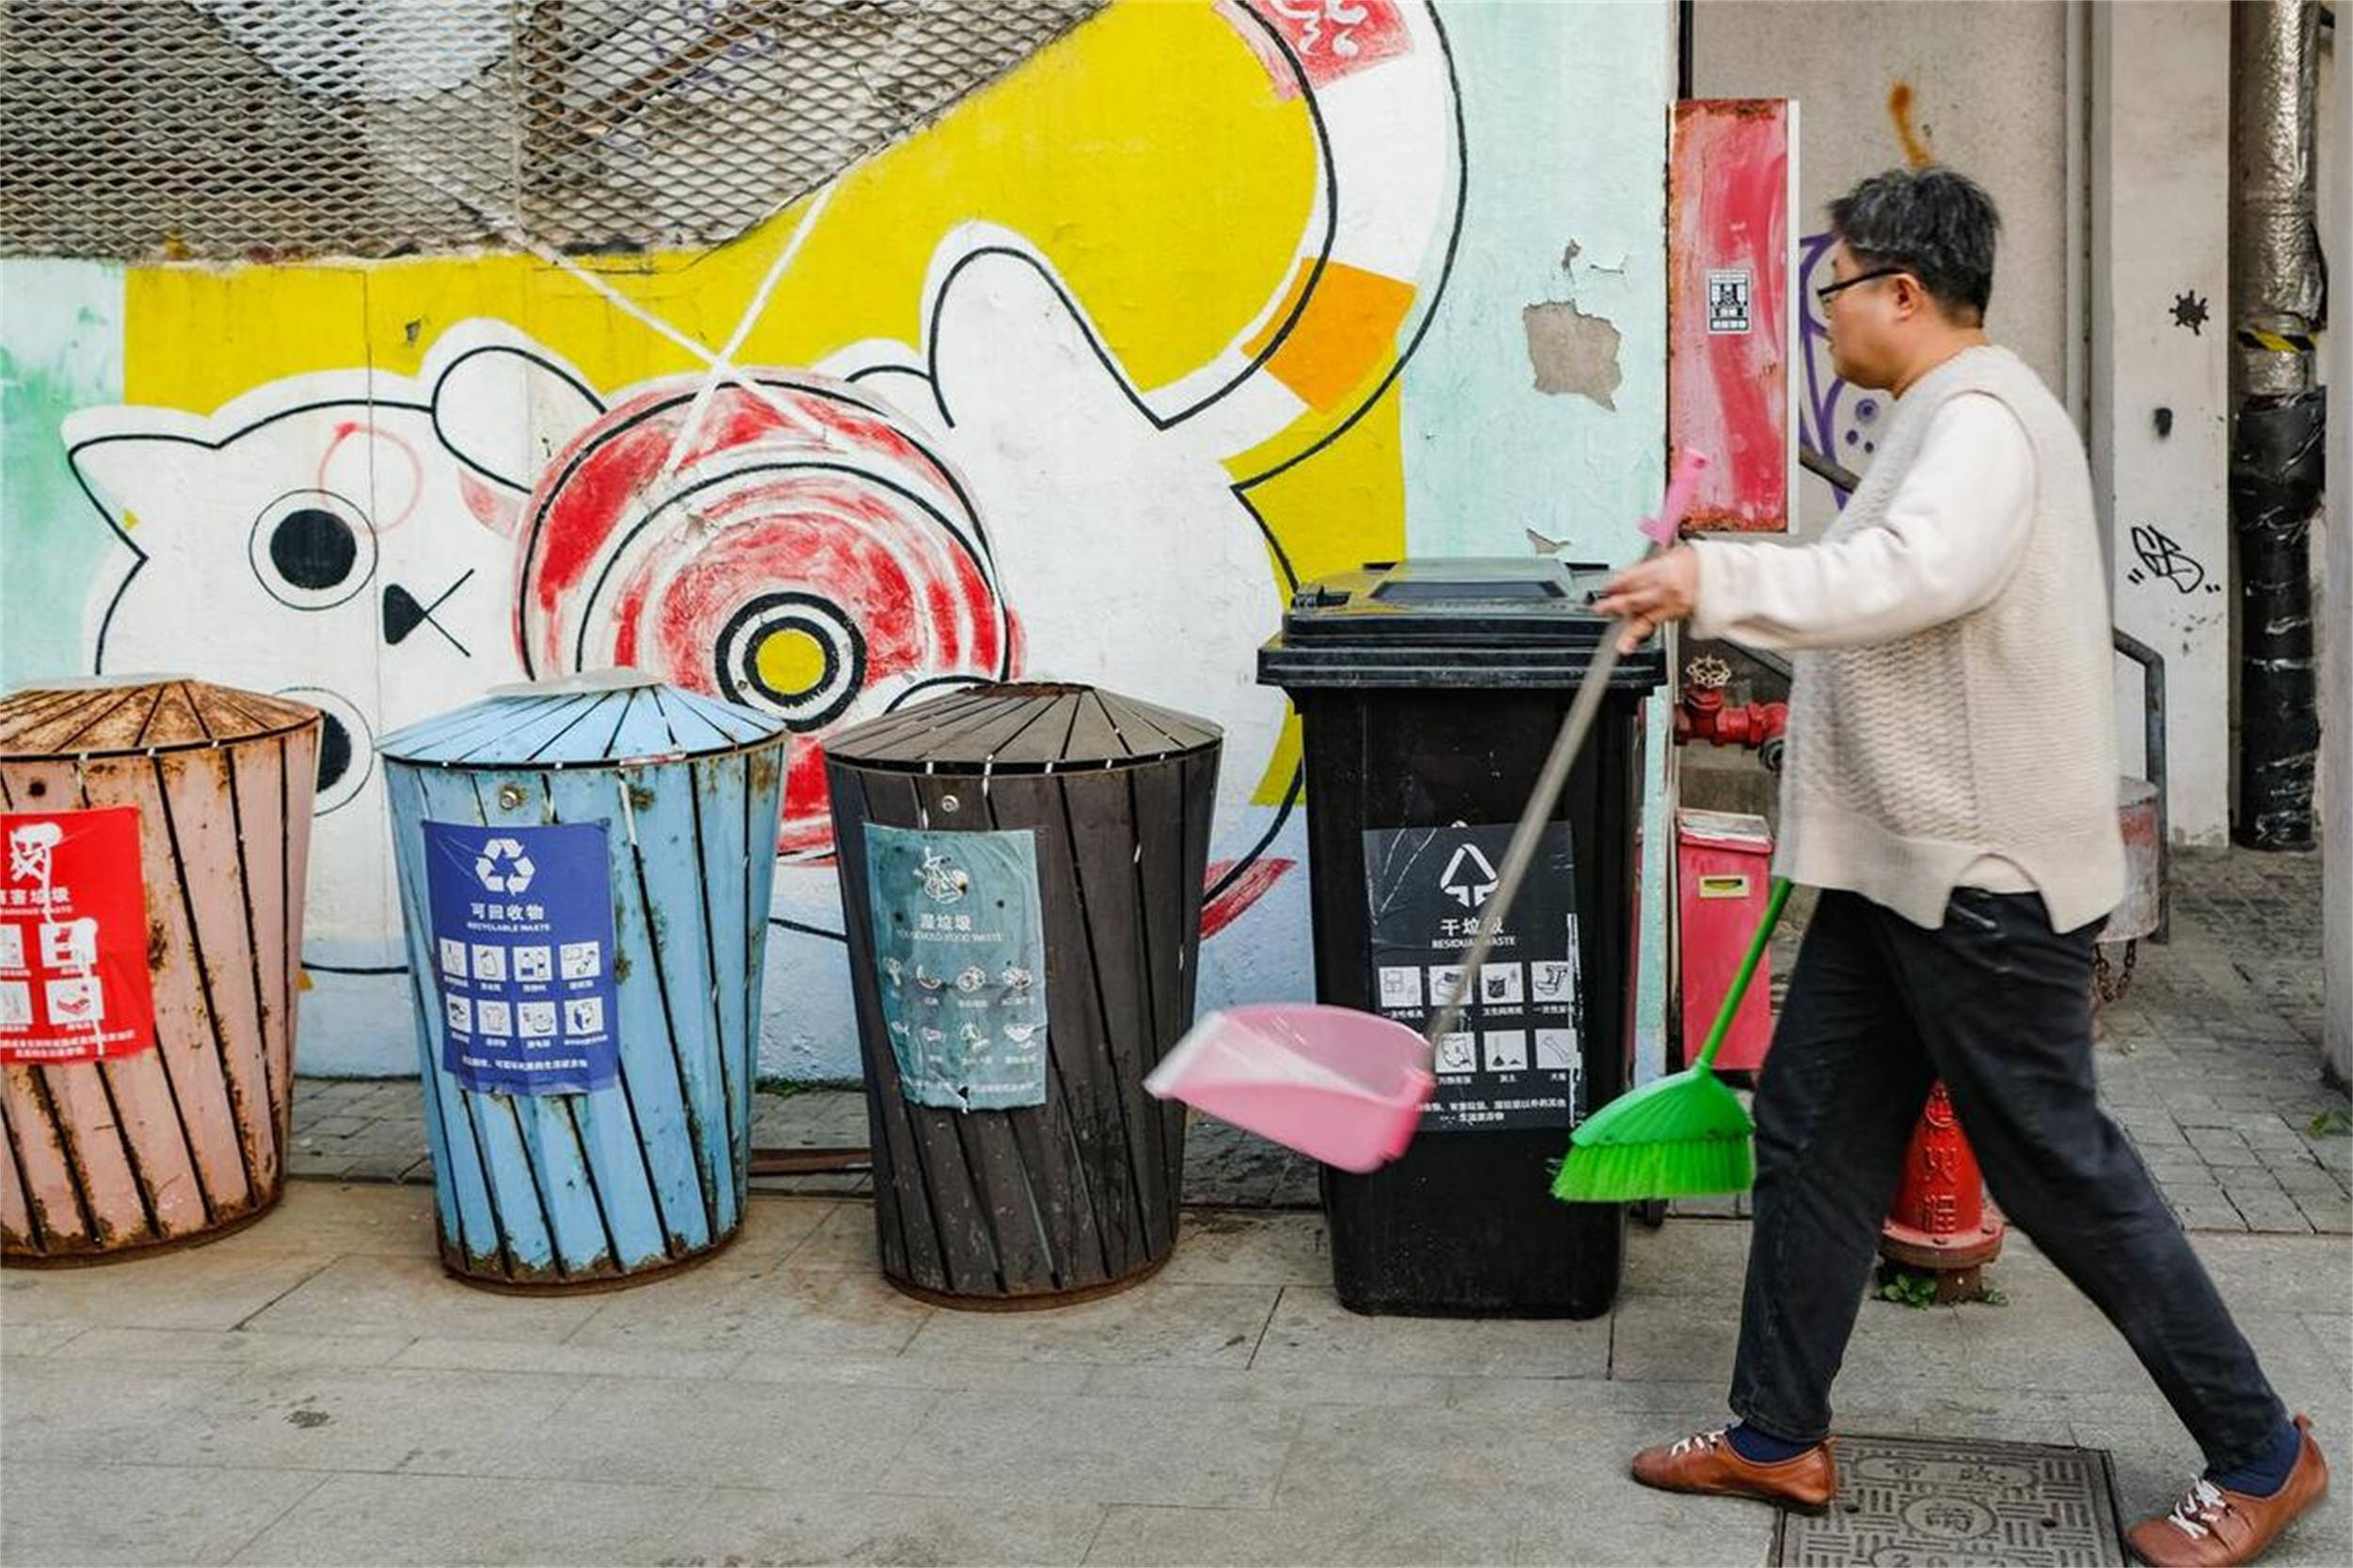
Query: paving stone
[(1064, 1450), (1260, 1387), (1407, 1532), (731, 1526), (364, 1419), (2157, 1133), (780, 1309), (303, 1161), (2269, 1131), (72, 1411), (1226, 1247), (327, 1218), (561, 1360), (236, 1348), (2330, 1218), (108, 1513), (394, 1519), (2268, 1275), (1157, 1324), (2190, 1099), (819, 1437), (197, 1287), (901, 1372), (40, 1338), (1312, 1332), (411, 1297), (2217, 1215)]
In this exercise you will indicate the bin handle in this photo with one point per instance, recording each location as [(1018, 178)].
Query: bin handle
[(1521, 853)]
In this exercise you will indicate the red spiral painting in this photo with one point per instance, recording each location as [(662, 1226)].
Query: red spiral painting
[(802, 554)]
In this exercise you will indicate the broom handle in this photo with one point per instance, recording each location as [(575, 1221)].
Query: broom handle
[(1531, 831), (1723, 1026), (1537, 816)]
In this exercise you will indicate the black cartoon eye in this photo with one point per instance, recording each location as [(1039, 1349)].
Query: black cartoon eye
[(312, 549), (334, 752), (346, 747)]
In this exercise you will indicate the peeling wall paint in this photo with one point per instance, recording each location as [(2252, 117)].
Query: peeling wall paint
[(1572, 352), (1565, 152), (1565, 143)]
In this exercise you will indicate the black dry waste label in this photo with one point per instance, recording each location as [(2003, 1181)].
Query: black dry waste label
[(1516, 1057)]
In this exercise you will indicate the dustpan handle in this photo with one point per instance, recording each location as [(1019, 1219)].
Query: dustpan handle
[(1537, 816)]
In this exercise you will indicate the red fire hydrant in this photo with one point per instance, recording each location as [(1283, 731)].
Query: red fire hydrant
[(1704, 715), (1938, 1225)]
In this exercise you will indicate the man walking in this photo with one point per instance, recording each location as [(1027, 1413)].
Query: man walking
[(1950, 787)]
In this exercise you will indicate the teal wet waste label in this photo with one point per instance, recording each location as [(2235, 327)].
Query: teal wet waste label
[(960, 965)]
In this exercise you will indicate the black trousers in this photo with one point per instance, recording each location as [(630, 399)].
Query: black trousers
[(2000, 1006)]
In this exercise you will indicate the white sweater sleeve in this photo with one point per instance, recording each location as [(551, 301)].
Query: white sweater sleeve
[(1954, 530)]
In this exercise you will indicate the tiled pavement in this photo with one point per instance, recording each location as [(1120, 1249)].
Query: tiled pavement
[(2210, 1062), (313, 1391)]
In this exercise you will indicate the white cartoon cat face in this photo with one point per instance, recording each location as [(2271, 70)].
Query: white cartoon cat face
[(1014, 368), (313, 540)]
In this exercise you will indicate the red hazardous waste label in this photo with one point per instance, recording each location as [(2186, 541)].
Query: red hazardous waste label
[(73, 981)]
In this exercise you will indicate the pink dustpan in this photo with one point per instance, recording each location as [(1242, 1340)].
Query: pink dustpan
[(1338, 1086), (1348, 1087)]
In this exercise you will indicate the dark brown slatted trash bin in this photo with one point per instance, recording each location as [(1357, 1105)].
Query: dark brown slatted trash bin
[(1021, 874)]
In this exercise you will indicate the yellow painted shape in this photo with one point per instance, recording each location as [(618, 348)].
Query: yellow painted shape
[(1340, 508), (194, 338), (1347, 336), (1147, 155), (790, 661)]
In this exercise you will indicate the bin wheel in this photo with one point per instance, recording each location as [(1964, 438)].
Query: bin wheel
[(1652, 1212)]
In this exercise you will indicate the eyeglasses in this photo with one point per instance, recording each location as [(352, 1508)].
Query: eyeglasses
[(1822, 294)]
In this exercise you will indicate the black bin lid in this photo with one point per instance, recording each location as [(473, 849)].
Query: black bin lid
[(1505, 620)]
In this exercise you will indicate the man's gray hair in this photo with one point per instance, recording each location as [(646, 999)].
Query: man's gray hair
[(1935, 224)]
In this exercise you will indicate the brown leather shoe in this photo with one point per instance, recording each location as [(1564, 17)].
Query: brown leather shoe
[(1707, 1464), (2212, 1526)]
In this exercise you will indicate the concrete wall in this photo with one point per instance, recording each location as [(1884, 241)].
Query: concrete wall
[(2141, 206), (1174, 299), (2160, 81), (1979, 86)]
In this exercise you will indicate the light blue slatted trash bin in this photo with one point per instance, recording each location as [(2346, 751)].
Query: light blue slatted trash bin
[(584, 869)]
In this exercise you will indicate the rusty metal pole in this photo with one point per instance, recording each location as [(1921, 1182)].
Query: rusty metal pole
[(2336, 639), (2278, 308)]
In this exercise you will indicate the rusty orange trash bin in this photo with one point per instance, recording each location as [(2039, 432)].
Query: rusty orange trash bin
[(154, 831)]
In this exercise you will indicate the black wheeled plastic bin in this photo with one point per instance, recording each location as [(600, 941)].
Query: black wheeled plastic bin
[(1430, 692)]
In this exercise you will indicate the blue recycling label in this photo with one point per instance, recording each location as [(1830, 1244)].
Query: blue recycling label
[(523, 943), (960, 950)]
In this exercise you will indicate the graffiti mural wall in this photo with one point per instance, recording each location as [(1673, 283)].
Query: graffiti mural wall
[(1074, 381)]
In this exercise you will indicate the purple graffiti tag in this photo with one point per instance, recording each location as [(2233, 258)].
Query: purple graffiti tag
[(1828, 421)]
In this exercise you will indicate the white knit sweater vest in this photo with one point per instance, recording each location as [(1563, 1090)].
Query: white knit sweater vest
[(1993, 734)]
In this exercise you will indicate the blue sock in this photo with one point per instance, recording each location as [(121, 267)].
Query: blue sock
[(1757, 1448), (2264, 1474)]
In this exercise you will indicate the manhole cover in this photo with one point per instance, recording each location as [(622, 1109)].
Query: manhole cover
[(1906, 1502)]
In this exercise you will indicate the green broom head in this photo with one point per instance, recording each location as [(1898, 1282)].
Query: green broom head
[(1685, 1136)]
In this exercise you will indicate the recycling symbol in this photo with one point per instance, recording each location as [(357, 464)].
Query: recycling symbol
[(1470, 877), (503, 867)]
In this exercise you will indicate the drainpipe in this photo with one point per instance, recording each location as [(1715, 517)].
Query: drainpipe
[(2336, 871), (2279, 303)]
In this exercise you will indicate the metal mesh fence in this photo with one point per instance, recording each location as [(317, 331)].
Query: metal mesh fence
[(218, 129)]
